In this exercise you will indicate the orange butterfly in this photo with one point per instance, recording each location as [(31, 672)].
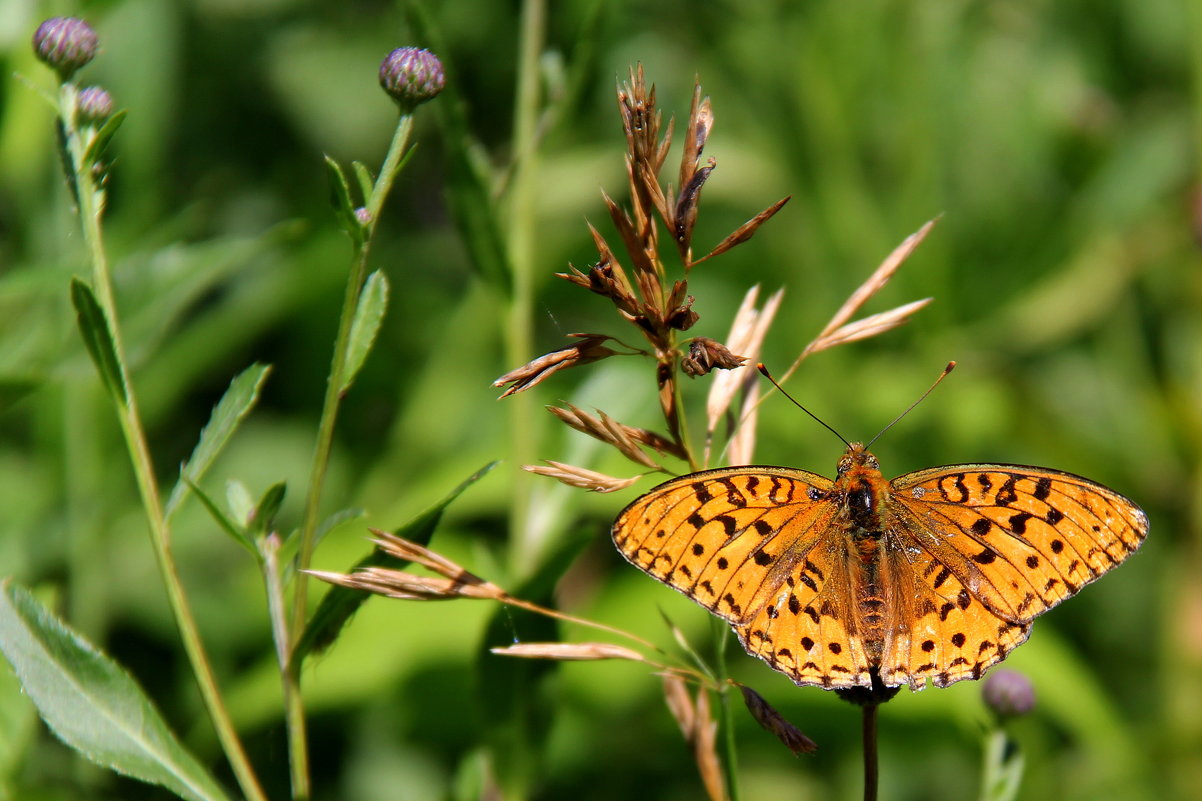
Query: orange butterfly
[(936, 574)]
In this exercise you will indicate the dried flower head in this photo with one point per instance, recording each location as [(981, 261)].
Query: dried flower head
[(773, 721), (411, 76), (1008, 693), (705, 354), (65, 44), (94, 105), (589, 349)]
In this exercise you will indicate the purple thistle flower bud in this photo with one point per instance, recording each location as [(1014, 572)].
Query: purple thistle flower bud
[(94, 105), (412, 76), (1008, 693), (65, 44)]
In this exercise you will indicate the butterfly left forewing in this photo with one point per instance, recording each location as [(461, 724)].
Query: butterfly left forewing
[(713, 535), (757, 546)]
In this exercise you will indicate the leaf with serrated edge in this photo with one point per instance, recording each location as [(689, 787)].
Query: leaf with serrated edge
[(227, 415), (373, 300), (91, 703)]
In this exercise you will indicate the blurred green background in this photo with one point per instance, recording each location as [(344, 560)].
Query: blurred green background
[(1058, 141)]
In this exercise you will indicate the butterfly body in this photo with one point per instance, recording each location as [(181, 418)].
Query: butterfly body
[(934, 575)]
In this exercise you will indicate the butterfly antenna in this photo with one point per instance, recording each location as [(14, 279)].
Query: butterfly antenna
[(764, 372), (950, 366)]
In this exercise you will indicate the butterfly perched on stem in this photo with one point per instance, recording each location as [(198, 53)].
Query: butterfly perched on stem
[(936, 574)]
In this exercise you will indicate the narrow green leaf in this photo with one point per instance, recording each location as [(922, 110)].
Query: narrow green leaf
[(340, 199), (340, 603), (268, 507), (227, 525), (65, 160), (373, 300), (91, 703), (103, 137), (366, 183), (98, 338), (229, 412)]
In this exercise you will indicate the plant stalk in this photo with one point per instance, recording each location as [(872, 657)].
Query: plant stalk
[(294, 707), (871, 768), (90, 210)]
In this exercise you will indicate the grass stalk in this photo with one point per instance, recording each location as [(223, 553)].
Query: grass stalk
[(521, 229)]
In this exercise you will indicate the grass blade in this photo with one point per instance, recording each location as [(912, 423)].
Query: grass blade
[(91, 703)]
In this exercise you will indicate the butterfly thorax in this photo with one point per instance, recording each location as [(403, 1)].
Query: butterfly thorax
[(863, 494)]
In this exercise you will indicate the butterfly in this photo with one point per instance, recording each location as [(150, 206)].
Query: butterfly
[(935, 575)]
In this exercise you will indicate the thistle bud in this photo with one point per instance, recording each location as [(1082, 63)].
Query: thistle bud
[(412, 76), (1008, 693), (65, 44), (94, 105)]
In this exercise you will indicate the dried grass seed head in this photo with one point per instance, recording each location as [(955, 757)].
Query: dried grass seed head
[(589, 349)]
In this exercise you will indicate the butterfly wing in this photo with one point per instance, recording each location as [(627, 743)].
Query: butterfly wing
[(979, 550), (759, 547)]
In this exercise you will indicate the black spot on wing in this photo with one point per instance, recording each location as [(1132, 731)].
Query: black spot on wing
[(1006, 494), (1043, 488)]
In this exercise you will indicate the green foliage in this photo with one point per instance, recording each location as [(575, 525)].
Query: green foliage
[(91, 703), (1058, 142)]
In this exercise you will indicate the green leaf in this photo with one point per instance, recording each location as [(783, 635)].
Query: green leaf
[(91, 703), (366, 184), (65, 160), (229, 412), (269, 507), (227, 525), (239, 501), (103, 137), (98, 338), (340, 603), (373, 300), (340, 199)]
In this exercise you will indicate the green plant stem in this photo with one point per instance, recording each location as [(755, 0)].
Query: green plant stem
[(871, 767), (521, 229), (90, 210), (293, 704)]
